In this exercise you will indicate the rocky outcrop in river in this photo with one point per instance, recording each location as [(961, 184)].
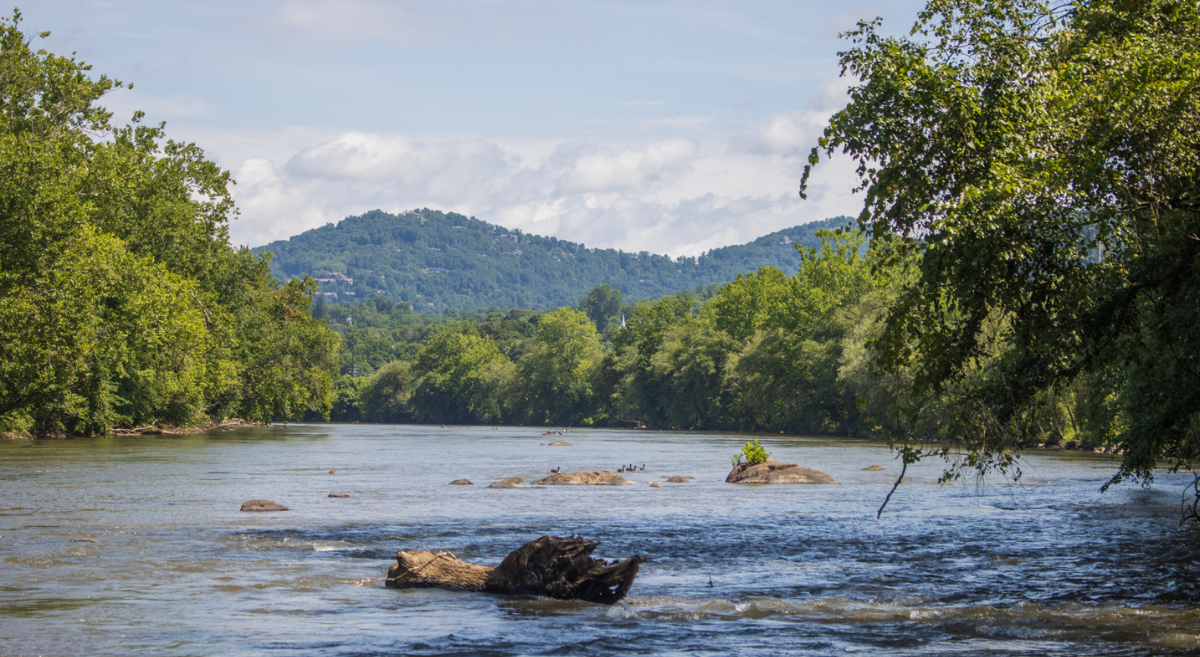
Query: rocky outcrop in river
[(262, 505), (774, 472), (594, 478), (511, 482)]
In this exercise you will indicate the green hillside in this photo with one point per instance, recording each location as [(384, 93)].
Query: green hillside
[(435, 260)]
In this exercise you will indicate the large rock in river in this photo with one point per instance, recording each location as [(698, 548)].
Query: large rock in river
[(774, 472), (595, 478)]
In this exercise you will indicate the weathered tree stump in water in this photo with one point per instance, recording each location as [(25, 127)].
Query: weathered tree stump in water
[(421, 569), (551, 566)]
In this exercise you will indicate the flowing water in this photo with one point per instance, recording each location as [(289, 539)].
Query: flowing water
[(1047, 565)]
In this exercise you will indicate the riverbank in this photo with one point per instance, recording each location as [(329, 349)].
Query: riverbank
[(150, 430)]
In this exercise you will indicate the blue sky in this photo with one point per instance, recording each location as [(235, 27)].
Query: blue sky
[(671, 127)]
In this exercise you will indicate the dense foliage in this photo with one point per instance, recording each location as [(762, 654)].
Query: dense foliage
[(435, 261), (121, 302), (767, 351), (1040, 164)]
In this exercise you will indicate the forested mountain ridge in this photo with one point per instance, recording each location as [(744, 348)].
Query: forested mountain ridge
[(437, 260)]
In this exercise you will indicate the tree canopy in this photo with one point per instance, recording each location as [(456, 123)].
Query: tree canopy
[(1038, 164), (121, 301)]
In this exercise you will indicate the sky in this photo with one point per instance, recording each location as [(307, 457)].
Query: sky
[(669, 127)]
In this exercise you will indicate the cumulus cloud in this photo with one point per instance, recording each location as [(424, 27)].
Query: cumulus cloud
[(676, 196), (786, 133), (400, 158), (629, 169)]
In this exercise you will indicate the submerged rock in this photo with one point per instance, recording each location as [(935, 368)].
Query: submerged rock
[(461, 482), (339, 494), (559, 443), (655, 484), (84, 540), (774, 472), (263, 505), (873, 468), (679, 479), (511, 482), (594, 478)]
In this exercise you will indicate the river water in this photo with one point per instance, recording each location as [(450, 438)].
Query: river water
[(1045, 566)]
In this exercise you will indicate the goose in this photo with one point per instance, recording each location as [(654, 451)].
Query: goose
[(556, 470)]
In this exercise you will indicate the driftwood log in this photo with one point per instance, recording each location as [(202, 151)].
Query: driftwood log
[(551, 566)]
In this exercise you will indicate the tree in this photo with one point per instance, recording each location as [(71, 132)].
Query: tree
[(1041, 163), (385, 397), (556, 376), (121, 300), (602, 305), (451, 375)]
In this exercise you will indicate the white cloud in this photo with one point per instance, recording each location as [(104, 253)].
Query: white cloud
[(832, 93), (786, 133), (363, 156), (606, 171), (675, 196)]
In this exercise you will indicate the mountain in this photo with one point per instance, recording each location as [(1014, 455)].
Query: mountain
[(436, 260)]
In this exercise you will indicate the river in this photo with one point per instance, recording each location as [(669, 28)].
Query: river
[(1046, 565)]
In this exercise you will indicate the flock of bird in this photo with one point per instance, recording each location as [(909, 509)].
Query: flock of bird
[(625, 468)]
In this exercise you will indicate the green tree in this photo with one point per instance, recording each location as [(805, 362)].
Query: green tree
[(451, 375), (1041, 162), (602, 305), (121, 300), (557, 375), (692, 365), (749, 301), (385, 396)]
